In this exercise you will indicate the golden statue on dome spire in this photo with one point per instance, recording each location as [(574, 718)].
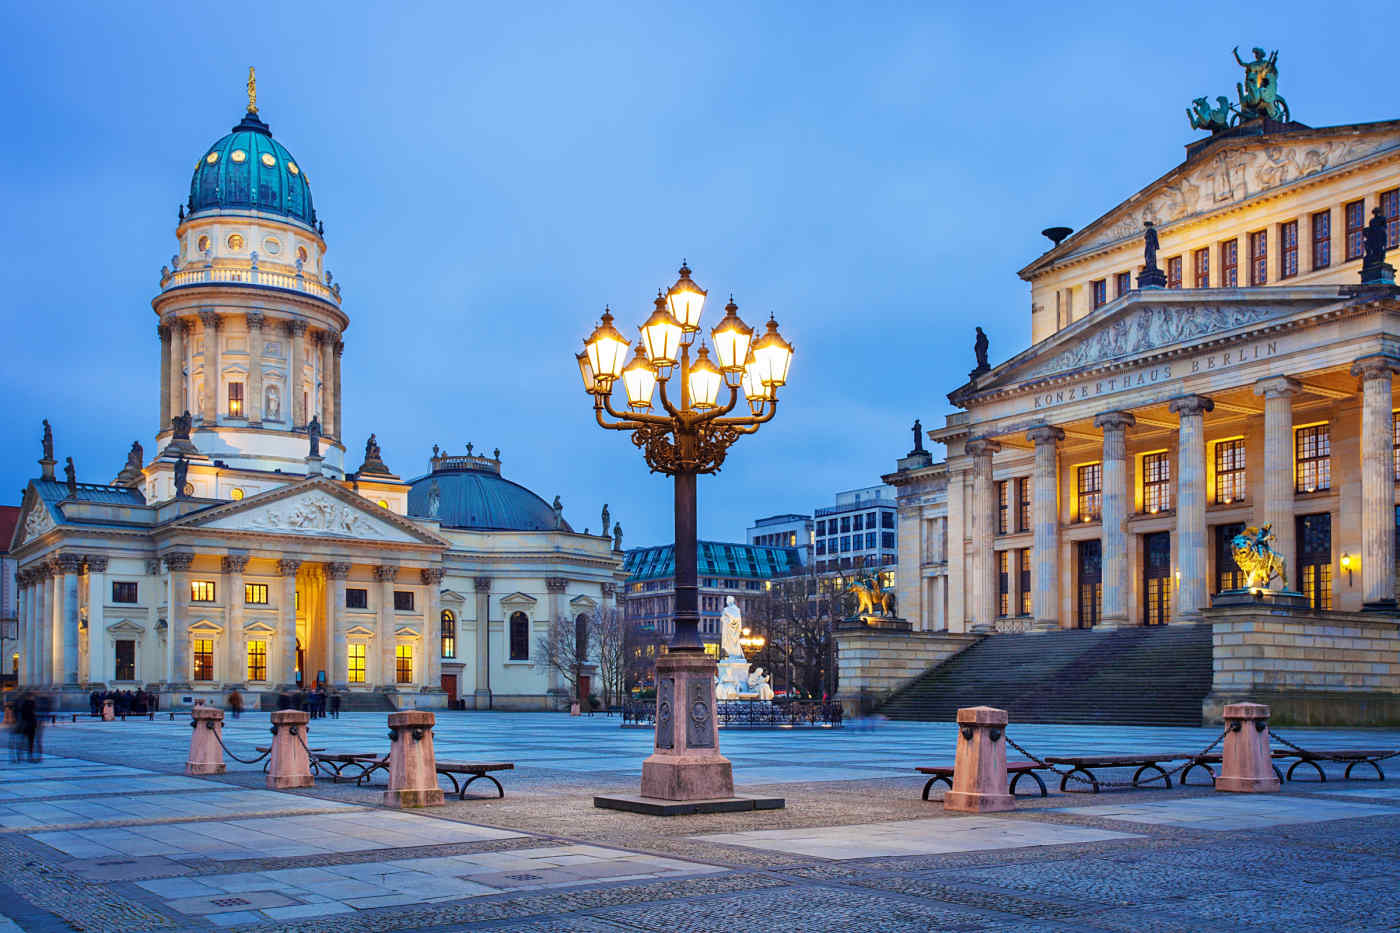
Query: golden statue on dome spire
[(252, 90)]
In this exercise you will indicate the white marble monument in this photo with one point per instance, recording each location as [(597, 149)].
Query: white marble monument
[(737, 680)]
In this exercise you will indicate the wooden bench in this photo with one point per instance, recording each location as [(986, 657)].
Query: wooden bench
[(1205, 761), (1018, 769), (477, 770), (1352, 756), (1083, 763)]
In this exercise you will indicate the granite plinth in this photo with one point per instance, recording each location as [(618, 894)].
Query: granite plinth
[(1273, 599), (686, 763), (654, 806)]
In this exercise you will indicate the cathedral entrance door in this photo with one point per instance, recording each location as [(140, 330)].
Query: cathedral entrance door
[(1157, 574), (449, 686)]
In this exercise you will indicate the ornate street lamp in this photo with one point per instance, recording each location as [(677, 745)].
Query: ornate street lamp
[(689, 435)]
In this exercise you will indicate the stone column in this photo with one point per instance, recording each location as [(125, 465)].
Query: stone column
[(235, 670), (97, 654), (338, 348), (179, 330), (209, 406), (328, 400), (66, 615), (984, 566), (163, 332), (287, 623), (431, 677), (24, 580), (1377, 482), (339, 664), (43, 624), (178, 623), (556, 586), (297, 331), (1192, 549), (1045, 597), (1117, 583), (483, 642), (387, 639), (1278, 392), (253, 404)]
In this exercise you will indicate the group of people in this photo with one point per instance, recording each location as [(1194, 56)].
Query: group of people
[(27, 733), (124, 702), (315, 702)]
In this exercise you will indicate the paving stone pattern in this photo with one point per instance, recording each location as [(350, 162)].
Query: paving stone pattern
[(106, 834)]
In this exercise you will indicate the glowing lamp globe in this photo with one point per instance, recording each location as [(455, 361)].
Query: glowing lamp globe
[(774, 355), (687, 301), (639, 379), (704, 382), (732, 337), (607, 351), (662, 335)]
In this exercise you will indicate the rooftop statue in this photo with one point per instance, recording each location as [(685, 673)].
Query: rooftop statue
[(1254, 554), (48, 440), (617, 536), (607, 521), (918, 430), (180, 426), (70, 476), (182, 469), (1151, 276), (313, 434), (1374, 269), (1259, 96), (136, 457), (979, 347), (434, 500), (1204, 117)]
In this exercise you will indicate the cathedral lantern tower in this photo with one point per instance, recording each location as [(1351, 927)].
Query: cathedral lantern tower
[(249, 320)]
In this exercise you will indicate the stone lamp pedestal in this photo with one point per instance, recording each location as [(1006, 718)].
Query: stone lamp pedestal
[(1246, 764), (206, 754), (290, 764), (979, 770), (413, 780), (685, 772)]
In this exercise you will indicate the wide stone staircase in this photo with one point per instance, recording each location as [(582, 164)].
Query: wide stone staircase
[(1154, 676)]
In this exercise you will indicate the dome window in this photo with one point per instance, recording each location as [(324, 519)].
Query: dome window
[(268, 160), (211, 158), (238, 155), (292, 167), (203, 244), (272, 245), (235, 241), (383, 503)]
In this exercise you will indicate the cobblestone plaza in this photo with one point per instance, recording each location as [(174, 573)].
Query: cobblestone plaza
[(106, 833)]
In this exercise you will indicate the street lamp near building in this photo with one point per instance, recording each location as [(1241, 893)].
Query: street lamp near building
[(689, 434)]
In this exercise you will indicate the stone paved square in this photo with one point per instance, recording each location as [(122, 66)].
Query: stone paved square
[(1243, 811)]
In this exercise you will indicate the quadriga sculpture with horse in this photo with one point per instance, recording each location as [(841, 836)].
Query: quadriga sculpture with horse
[(872, 598), (1255, 555)]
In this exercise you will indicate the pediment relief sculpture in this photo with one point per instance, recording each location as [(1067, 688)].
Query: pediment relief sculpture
[(37, 522), (314, 513)]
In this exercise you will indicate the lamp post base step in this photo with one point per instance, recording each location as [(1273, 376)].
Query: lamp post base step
[(659, 806)]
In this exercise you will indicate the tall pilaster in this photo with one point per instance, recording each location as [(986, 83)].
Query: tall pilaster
[(1377, 481), (178, 659), (328, 407), (1117, 585), (483, 642), (179, 332), (253, 404), (96, 668), (232, 567), (297, 383), (287, 622), (25, 591), (432, 630), (43, 624), (66, 603), (983, 532), (1192, 550), (1278, 392), (209, 405), (556, 586), (163, 332), (339, 662), (387, 639), (338, 348), (1045, 499)]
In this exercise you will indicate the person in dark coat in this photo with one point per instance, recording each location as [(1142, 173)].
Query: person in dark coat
[(335, 705)]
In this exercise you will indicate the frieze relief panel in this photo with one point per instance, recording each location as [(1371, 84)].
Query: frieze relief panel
[(1233, 175), (37, 522), (1151, 328), (312, 514)]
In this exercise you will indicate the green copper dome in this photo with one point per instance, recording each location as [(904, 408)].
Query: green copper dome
[(249, 170)]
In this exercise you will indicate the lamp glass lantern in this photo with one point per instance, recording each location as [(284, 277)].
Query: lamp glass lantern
[(585, 371), (703, 381), (687, 300), (639, 379), (732, 337), (755, 391), (607, 351), (662, 335), (774, 355)]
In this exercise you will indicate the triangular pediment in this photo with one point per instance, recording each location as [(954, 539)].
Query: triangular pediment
[(315, 507), (126, 627), (34, 519), (205, 627), (583, 604), (406, 631), (452, 596), (261, 629), (519, 601), (360, 631), (1224, 174), (1148, 324)]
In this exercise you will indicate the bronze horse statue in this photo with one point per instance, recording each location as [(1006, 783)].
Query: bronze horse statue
[(873, 599), (1255, 555)]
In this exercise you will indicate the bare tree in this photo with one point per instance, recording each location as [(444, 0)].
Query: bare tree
[(559, 649), (607, 632)]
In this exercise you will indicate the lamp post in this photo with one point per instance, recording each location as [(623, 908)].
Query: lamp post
[(690, 435)]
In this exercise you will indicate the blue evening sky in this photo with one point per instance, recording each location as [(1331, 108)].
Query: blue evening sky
[(491, 174)]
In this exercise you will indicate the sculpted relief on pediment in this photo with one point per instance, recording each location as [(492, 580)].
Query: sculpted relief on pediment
[(312, 514), (1233, 175), (37, 522)]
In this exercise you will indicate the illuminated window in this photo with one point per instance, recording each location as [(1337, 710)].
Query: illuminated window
[(268, 159), (1201, 265), (449, 634), (203, 243), (1090, 492), (1259, 257), (383, 503), (519, 637), (1288, 245), (236, 493), (235, 241), (235, 399), (1355, 216), (1229, 471), (211, 158), (1390, 210), (356, 598), (1228, 575), (203, 659), (356, 661), (1322, 239), (1229, 264), (202, 591), (1314, 536), (1003, 584), (403, 664), (1174, 272), (1156, 482), (292, 167), (1313, 450), (1023, 557), (1003, 506), (1023, 504), (257, 660), (123, 591), (255, 594), (238, 155), (1099, 288)]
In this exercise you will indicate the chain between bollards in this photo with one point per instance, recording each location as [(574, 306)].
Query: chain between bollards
[(1322, 755), (220, 739)]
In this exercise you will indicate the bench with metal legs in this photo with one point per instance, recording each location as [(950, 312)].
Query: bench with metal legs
[(1017, 770)]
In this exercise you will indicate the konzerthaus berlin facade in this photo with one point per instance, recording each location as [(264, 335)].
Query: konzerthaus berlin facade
[(1095, 478), (232, 558)]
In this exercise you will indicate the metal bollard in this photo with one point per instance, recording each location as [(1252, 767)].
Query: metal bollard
[(290, 765), (413, 780), (1246, 764), (979, 771), (206, 754)]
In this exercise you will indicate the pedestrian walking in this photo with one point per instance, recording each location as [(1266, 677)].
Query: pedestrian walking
[(235, 703)]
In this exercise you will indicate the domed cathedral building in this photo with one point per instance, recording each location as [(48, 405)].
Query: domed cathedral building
[(1215, 352), (248, 552)]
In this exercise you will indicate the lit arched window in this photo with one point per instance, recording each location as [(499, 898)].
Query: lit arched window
[(449, 634), (519, 637)]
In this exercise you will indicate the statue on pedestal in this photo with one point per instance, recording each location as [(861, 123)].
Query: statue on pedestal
[(1374, 269), (47, 440), (182, 469), (979, 347), (731, 627), (313, 434), (736, 679), (70, 475)]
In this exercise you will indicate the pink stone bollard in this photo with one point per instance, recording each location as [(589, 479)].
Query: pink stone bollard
[(413, 780), (1246, 764), (206, 754), (979, 771), (109, 711), (290, 765)]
